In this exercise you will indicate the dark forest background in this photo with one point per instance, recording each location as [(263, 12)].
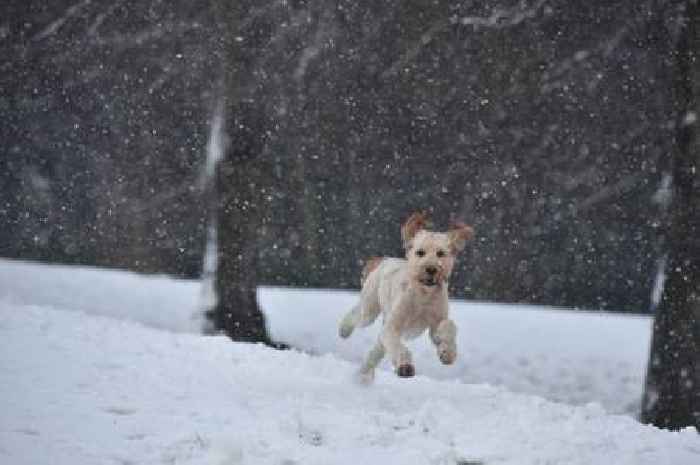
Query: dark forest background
[(546, 125)]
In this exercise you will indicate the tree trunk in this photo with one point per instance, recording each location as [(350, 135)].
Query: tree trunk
[(672, 391), (237, 311), (239, 178), (240, 182)]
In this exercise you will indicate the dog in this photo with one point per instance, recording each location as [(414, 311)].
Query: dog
[(411, 294)]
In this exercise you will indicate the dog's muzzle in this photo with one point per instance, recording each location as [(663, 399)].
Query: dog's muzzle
[(432, 276)]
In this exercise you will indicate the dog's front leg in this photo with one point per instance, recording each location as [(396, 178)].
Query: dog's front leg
[(444, 336), (399, 353)]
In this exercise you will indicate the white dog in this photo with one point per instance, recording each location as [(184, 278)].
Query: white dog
[(411, 294)]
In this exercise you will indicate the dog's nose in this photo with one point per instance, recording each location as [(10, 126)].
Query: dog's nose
[(431, 270)]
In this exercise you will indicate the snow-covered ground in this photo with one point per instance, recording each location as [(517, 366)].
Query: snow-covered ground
[(566, 356), (571, 357), (104, 367)]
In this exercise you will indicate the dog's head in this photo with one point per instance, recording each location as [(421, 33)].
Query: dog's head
[(431, 255)]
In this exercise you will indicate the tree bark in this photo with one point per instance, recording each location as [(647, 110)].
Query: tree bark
[(672, 391), (240, 181), (237, 311)]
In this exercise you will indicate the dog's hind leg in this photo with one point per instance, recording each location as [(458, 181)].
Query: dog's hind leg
[(366, 311), (399, 353), (361, 315), (373, 358), (349, 321), (369, 301)]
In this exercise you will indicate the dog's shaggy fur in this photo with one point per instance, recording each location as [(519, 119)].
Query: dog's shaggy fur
[(412, 295)]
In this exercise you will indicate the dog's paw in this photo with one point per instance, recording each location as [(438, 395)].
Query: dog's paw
[(345, 331), (364, 377), (347, 325), (406, 371), (447, 355)]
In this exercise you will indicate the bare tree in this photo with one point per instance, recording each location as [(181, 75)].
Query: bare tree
[(672, 391), (241, 178)]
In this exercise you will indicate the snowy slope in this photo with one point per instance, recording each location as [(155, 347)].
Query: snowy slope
[(82, 389), (572, 357), (158, 301)]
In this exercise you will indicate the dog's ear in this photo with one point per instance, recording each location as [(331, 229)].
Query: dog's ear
[(458, 235), (410, 228)]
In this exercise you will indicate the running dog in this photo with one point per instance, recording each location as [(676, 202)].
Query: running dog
[(412, 295)]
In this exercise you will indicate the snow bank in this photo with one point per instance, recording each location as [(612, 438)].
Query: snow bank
[(158, 301), (567, 356), (571, 357), (81, 389)]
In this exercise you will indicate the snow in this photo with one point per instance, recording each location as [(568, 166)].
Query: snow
[(157, 301), (104, 367), (657, 289), (572, 357), (215, 144)]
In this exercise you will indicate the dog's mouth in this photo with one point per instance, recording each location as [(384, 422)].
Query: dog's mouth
[(429, 281)]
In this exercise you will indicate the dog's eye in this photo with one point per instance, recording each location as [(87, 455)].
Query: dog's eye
[(440, 253), (420, 252)]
